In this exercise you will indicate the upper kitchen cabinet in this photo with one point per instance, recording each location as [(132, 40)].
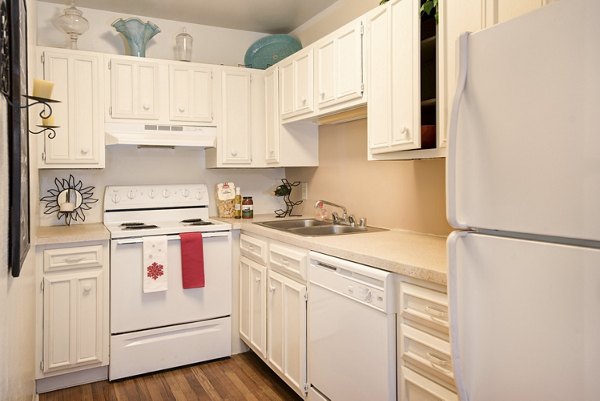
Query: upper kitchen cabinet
[(339, 69), (294, 144), (79, 142), (272, 120), (296, 85), (134, 89), (240, 138), (402, 82), (456, 17), (191, 95)]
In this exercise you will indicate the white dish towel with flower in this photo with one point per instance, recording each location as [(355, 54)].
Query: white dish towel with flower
[(155, 263)]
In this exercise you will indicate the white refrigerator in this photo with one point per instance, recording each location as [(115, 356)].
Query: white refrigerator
[(523, 192)]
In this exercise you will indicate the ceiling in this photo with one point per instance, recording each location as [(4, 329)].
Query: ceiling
[(268, 16)]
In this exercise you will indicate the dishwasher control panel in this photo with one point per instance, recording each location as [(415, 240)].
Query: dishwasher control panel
[(367, 285)]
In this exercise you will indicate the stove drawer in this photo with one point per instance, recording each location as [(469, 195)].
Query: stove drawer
[(253, 248), (72, 258)]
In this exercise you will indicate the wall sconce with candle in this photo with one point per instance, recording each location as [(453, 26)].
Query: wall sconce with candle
[(69, 199)]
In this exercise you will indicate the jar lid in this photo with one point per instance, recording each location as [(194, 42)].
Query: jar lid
[(247, 197)]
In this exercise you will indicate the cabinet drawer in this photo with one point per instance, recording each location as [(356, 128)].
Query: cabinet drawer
[(253, 248), (427, 353), (72, 258), (288, 260), (415, 387), (424, 306)]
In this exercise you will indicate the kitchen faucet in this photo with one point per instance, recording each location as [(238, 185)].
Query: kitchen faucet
[(336, 219)]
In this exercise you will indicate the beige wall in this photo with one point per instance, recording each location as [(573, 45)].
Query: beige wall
[(330, 19), (17, 295), (397, 194)]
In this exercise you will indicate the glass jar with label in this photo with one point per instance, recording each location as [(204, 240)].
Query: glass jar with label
[(247, 208)]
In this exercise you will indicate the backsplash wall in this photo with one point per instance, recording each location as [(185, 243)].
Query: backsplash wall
[(408, 195), (127, 165)]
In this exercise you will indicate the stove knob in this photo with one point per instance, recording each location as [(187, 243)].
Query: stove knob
[(185, 193), (131, 194), (151, 194), (199, 195), (115, 197), (165, 193), (368, 296)]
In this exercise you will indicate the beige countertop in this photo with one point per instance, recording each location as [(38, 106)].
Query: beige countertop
[(411, 254), (73, 233)]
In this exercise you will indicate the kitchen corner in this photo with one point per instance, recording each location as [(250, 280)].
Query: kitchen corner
[(411, 254)]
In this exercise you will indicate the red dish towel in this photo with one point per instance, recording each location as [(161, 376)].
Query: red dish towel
[(192, 260)]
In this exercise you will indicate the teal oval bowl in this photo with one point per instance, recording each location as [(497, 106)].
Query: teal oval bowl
[(270, 50)]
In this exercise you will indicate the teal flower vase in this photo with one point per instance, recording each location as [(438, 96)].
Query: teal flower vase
[(136, 34)]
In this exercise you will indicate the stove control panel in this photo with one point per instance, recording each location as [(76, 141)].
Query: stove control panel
[(155, 196)]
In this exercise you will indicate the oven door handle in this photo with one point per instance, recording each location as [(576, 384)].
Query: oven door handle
[(172, 238)]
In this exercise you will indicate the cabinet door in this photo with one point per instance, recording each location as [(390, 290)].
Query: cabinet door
[(406, 92), (286, 328), (286, 89), (379, 70), (73, 314), (326, 72), (348, 63), (272, 117), (79, 140), (303, 83), (191, 94), (134, 89), (504, 10), (236, 128), (253, 297)]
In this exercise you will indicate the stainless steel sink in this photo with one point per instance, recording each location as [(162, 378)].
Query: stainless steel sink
[(314, 228), (289, 224)]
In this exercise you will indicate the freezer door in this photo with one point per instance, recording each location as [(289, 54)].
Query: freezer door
[(525, 319), (525, 155)]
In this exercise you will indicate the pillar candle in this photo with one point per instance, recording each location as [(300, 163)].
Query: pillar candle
[(42, 88), (48, 122)]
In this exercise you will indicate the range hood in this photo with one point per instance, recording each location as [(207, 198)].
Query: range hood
[(160, 135)]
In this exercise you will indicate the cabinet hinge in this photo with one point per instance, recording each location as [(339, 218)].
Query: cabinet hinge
[(362, 88), (306, 295), (44, 156), (42, 285), (306, 387), (43, 58), (362, 29), (110, 110), (109, 64), (42, 365)]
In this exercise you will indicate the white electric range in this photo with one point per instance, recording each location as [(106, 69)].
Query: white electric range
[(177, 326)]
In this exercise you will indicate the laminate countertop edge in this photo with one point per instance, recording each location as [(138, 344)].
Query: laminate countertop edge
[(416, 255), (75, 233)]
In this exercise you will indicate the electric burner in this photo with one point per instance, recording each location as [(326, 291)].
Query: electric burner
[(139, 226), (196, 222)]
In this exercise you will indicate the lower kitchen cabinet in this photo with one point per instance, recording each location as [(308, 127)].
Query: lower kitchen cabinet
[(253, 313), (424, 363), (286, 329), (273, 295), (72, 310)]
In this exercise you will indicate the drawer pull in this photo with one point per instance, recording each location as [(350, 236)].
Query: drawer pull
[(271, 289), (284, 262), (74, 260), (250, 247), (436, 313), (439, 363)]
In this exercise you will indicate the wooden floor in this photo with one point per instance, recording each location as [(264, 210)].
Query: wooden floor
[(241, 377)]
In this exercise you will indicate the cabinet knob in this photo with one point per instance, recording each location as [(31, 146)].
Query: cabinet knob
[(304, 101), (322, 95), (271, 289), (181, 109), (146, 106), (87, 288), (84, 151), (404, 131), (257, 280), (233, 152), (272, 153)]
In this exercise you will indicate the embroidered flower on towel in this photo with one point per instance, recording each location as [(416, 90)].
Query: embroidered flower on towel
[(155, 270)]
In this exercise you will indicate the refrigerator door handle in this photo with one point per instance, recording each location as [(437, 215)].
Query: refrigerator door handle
[(451, 245), (463, 49)]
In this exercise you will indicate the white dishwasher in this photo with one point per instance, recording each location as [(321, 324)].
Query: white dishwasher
[(351, 331)]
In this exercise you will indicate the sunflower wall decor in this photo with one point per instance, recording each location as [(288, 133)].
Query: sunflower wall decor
[(69, 199)]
